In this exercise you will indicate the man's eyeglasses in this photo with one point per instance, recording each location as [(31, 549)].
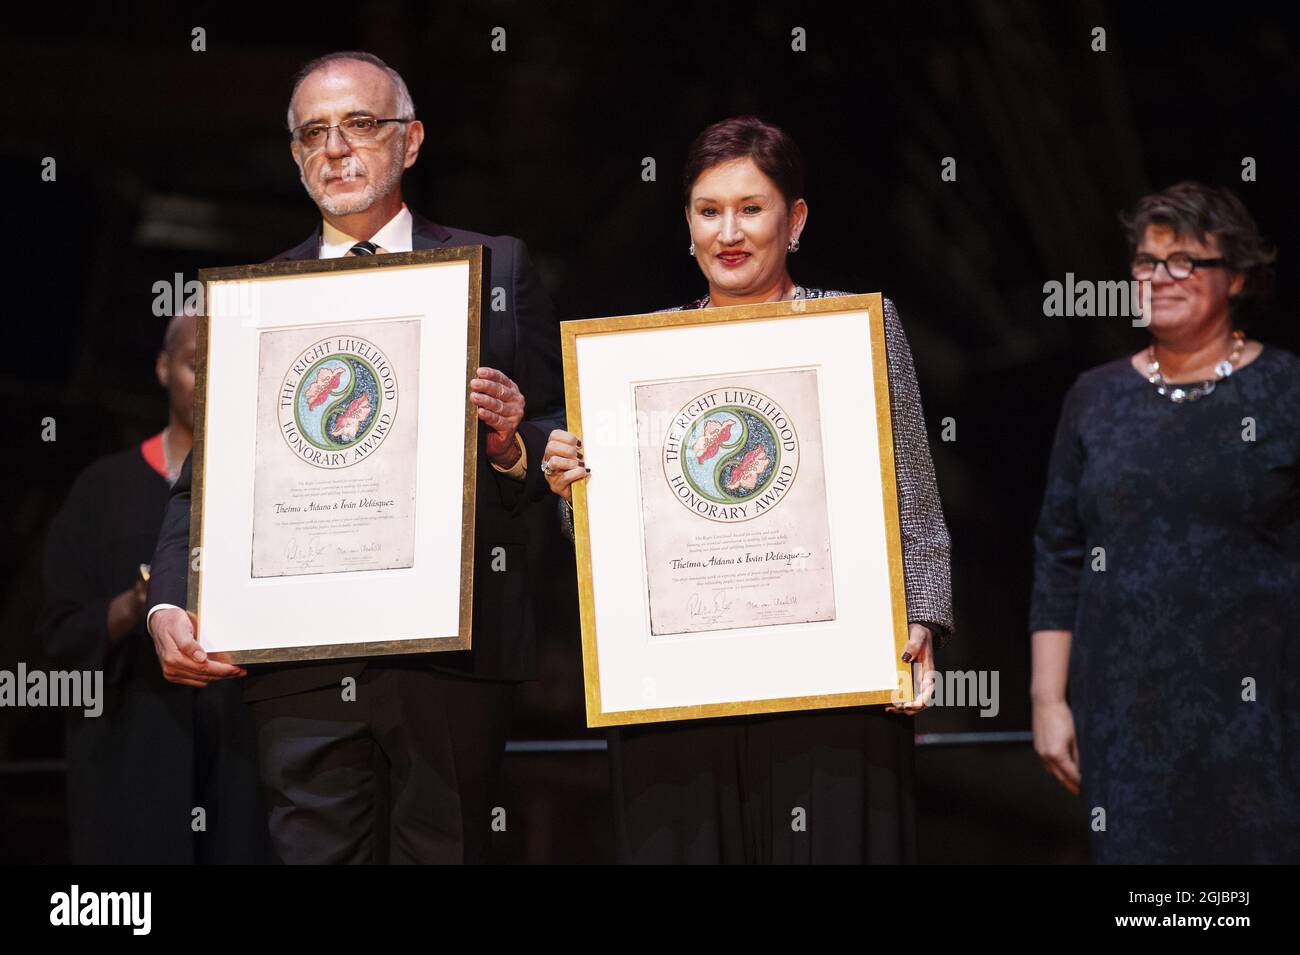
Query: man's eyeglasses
[(1179, 265), (354, 129)]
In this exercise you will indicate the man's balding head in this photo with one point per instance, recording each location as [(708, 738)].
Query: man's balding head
[(349, 60), (181, 330)]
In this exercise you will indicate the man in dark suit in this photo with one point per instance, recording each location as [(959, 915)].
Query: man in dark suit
[(394, 758)]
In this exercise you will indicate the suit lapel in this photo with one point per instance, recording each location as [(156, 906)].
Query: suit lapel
[(309, 249), (426, 234)]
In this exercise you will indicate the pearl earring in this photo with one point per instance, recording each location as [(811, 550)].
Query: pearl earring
[(793, 246), (691, 250)]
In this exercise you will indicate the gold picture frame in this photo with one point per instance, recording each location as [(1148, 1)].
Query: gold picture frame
[(786, 311), (476, 258)]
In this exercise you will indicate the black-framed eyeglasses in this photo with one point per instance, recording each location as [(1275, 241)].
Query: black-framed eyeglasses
[(1179, 265), (354, 129)]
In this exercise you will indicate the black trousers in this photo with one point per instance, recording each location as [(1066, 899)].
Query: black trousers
[(406, 773), (225, 780), (825, 786)]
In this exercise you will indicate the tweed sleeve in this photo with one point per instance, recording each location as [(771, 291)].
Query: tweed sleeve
[(565, 511), (927, 547)]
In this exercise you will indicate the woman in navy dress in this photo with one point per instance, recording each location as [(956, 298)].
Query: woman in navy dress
[(1167, 579)]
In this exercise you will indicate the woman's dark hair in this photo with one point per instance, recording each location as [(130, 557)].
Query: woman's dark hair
[(1194, 209), (740, 137)]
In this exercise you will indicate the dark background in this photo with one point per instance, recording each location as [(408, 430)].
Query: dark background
[(170, 160)]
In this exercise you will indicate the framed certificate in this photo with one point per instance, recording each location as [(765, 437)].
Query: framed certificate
[(738, 541), (332, 504)]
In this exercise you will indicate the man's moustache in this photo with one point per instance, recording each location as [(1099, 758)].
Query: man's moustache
[(327, 174)]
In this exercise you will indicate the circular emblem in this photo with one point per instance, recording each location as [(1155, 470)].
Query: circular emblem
[(337, 402), (731, 454)]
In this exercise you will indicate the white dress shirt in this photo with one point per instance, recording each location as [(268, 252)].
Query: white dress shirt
[(394, 236)]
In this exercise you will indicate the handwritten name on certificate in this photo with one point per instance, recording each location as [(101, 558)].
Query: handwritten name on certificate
[(733, 500), (334, 479)]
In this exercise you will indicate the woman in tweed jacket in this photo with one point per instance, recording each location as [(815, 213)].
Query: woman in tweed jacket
[(728, 789)]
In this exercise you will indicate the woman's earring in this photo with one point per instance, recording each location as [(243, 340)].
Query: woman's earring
[(691, 250), (793, 246)]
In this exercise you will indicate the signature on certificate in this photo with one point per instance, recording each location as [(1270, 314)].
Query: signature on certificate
[(708, 608), (304, 555), (373, 547)]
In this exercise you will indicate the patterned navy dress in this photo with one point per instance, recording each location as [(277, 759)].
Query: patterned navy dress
[(1169, 543)]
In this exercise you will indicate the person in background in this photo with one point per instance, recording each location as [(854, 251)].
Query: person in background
[(157, 752), (1167, 574)]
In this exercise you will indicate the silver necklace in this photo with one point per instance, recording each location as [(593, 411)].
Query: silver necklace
[(1191, 392), (798, 293)]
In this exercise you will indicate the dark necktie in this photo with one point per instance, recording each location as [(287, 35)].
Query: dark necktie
[(363, 248)]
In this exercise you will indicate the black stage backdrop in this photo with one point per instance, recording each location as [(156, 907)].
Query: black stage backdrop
[(171, 159)]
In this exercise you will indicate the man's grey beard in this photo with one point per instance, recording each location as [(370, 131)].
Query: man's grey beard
[(372, 193)]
